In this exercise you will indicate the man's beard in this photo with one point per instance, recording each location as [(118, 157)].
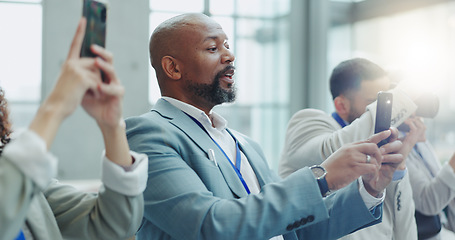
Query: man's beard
[(214, 93)]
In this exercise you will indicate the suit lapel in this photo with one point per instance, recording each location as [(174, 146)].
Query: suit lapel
[(183, 122)]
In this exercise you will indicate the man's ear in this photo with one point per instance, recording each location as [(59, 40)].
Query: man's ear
[(171, 67), (342, 106)]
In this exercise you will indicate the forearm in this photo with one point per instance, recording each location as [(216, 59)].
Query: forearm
[(432, 196), (47, 121), (116, 144)]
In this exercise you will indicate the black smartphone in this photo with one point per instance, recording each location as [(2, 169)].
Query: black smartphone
[(383, 114), (95, 12)]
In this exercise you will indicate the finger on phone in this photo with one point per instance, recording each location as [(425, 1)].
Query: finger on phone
[(371, 150), (78, 38), (107, 69), (395, 158), (103, 53), (393, 134), (376, 138), (111, 90), (391, 147)]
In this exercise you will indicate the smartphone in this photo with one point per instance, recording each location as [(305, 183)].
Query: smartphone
[(95, 33), (383, 114)]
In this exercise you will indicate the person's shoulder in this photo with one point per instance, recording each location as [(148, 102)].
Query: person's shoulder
[(309, 112), (139, 124)]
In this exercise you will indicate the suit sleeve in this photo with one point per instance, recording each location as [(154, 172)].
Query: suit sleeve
[(178, 203), (431, 195), (113, 213), (25, 168)]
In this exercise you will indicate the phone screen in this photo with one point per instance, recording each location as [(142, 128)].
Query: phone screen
[(95, 32), (383, 114)]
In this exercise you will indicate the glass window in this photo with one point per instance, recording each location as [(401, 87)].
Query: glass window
[(177, 5), (257, 32), (20, 48), (20, 57)]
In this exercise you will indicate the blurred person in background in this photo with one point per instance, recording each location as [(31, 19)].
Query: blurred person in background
[(312, 136), (432, 184)]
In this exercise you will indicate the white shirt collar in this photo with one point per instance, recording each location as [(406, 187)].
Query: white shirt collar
[(217, 120)]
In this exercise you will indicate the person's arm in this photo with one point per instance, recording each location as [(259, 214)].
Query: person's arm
[(114, 213), (90, 216), (431, 195), (79, 77), (312, 135), (179, 204), (25, 169)]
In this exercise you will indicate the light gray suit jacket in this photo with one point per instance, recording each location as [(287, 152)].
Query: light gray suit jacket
[(189, 197), (61, 210)]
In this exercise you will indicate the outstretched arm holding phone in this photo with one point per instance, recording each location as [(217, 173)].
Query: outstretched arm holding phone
[(34, 204)]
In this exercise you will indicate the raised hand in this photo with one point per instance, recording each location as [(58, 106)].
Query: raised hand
[(353, 160), (105, 104), (416, 134), (78, 75), (376, 183)]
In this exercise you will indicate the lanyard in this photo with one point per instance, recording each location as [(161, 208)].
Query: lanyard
[(237, 148), (20, 236), (339, 119)]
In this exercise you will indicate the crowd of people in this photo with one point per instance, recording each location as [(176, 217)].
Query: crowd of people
[(189, 176)]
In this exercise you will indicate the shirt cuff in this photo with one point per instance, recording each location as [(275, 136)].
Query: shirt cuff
[(28, 152), (370, 201), (130, 181), (399, 174)]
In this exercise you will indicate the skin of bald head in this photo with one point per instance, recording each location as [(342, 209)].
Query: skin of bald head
[(165, 39), (192, 61)]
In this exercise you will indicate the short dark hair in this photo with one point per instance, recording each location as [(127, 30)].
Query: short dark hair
[(348, 75)]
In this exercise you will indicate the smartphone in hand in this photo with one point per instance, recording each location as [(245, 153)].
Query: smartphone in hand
[(383, 114), (95, 33)]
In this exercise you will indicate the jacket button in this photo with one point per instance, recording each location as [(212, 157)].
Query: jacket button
[(296, 224), (289, 227), (303, 221), (310, 218)]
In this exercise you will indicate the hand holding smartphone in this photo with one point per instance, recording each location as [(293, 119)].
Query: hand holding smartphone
[(383, 114), (95, 12)]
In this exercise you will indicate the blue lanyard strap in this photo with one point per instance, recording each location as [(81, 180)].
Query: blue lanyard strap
[(339, 119), (238, 157), (20, 236)]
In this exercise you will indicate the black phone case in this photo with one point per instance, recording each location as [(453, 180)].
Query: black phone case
[(383, 114), (95, 32)]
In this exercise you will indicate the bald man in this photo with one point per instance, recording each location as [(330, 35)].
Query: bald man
[(207, 181)]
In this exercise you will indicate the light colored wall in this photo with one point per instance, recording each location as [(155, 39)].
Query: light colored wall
[(78, 144)]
